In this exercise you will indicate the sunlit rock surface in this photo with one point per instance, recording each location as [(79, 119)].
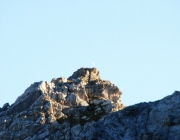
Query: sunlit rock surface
[(85, 107), (60, 107)]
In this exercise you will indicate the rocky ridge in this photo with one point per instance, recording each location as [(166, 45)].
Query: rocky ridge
[(84, 107), (45, 108)]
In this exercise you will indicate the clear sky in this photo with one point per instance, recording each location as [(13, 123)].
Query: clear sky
[(134, 44)]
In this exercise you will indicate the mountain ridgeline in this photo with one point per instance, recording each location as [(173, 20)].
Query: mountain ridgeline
[(85, 107)]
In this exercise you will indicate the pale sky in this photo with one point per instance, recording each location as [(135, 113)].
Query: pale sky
[(134, 44)]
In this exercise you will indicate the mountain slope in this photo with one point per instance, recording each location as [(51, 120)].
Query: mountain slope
[(85, 107)]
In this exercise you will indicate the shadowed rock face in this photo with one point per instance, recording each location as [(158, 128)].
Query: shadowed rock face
[(84, 107)]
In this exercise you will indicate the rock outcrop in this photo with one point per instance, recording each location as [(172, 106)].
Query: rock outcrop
[(84, 107), (57, 107)]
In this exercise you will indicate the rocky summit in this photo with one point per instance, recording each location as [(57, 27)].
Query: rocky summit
[(85, 107)]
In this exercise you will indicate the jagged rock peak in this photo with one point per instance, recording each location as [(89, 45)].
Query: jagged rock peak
[(81, 108), (86, 74), (45, 107)]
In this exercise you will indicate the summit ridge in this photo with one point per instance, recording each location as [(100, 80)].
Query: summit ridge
[(85, 107)]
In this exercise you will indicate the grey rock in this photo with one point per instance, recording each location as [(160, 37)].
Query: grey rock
[(75, 131), (60, 80), (43, 135), (74, 100), (5, 106), (86, 74), (84, 107)]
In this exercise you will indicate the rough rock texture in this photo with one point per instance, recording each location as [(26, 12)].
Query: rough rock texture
[(84, 107), (59, 109)]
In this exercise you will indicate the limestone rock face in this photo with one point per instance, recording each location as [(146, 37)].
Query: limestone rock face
[(86, 74), (60, 106), (84, 107)]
